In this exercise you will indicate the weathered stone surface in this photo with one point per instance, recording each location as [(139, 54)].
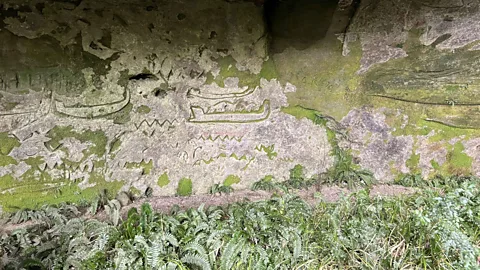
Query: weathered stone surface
[(377, 148), (405, 85), (176, 96), (418, 60), (130, 95)]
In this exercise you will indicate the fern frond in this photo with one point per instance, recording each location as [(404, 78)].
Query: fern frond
[(153, 254), (170, 238), (201, 227), (95, 228), (216, 234), (263, 255), (146, 213), (101, 242), (139, 239), (245, 252), (197, 260), (197, 248), (297, 247), (77, 242), (72, 262), (121, 260), (113, 211), (216, 214), (230, 253)]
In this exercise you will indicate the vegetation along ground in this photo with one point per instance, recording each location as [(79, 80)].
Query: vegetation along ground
[(438, 227), (300, 223)]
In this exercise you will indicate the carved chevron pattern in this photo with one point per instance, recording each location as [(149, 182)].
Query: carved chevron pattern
[(221, 138), (223, 155), (62, 166), (146, 123)]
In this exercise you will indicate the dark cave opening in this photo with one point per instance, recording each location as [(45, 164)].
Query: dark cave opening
[(297, 23)]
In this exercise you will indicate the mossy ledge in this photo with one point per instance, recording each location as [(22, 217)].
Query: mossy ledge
[(31, 193)]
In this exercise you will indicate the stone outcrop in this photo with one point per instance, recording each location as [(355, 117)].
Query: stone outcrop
[(129, 95)]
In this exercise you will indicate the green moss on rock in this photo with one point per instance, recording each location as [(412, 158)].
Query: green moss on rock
[(115, 145), (40, 189), (325, 80), (134, 191), (269, 150), (459, 162), (231, 179), (435, 165), (185, 187), (97, 138), (412, 163), (412, 85), (7, 160), (246, 78), (297, 172), (163, 180), (34, 161), (143, 109), (300, 112), (410, 78), (123, 116), (268, 178), (146, 166), (7, 143), (10, 105)]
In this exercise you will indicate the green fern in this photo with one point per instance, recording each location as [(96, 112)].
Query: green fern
[(197, 260), (283, 232), (230, 252), (266, 184), (32, 264), (153, 254), (196, 248), (347, 173), (219, 189), (114, 211)]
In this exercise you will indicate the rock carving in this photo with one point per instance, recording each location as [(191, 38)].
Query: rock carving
[(93, 111), (200, 116)]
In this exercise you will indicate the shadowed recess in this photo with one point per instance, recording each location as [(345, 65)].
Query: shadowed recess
[(298, 23)]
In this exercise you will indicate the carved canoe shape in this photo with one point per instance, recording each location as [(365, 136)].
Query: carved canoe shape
[(198, 94), (93, 111), (200, 116)]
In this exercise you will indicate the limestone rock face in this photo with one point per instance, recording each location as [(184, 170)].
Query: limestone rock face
[(402, 78), (419, 70), (130, 95), (176, 96)]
